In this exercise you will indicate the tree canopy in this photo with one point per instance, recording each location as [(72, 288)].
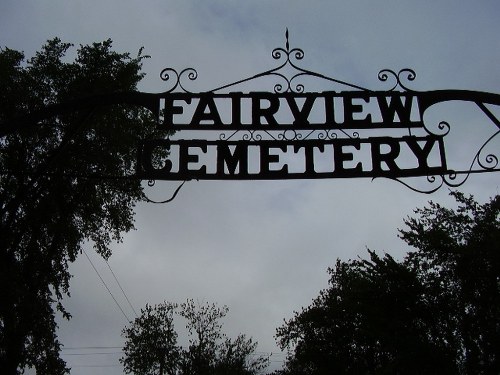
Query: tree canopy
[(64, 181), (436, 311), (151, 343)]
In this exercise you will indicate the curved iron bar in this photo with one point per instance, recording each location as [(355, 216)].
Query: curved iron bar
[(445, 179), (491, 159), (169, 199), (431, 180)]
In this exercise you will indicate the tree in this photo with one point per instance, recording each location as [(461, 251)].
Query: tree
[(63, 182), (151, 345), (459, 255), (436, 311), (204, 327), (210, 351)]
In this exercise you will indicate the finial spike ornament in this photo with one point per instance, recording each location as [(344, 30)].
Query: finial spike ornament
[(287, 43)]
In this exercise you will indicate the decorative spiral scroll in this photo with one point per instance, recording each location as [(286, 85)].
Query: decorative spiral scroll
[(443, 129), (490, 162), (252, 135), (397, 78), (151, 183), (169, 73), (296, 53), (299, 87), (279, 87), (325, 134)]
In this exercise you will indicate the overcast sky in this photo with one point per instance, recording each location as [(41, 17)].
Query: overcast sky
[(262, 248)]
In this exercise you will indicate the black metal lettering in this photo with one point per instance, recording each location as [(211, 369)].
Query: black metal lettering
[(232, 160), (170, 109), (236, 108), (309, 153), (185, 158), (421, 153), (267, 113), (300, 115), (392, 105), (329, 108), (147, 157), (201, 114), (388, 158), (266, 159), (340, 156), (350, 109)]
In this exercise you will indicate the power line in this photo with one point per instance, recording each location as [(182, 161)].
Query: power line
[(91, 347), (93, 353), (95, 366), (272, 354), (109, 291), (116, 279)]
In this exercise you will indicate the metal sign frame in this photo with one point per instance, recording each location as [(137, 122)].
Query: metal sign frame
[(351, 133), (259, 131)]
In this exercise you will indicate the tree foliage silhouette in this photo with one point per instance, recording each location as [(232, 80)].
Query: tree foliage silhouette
[(436, 311), (55, 187), (151, 347)]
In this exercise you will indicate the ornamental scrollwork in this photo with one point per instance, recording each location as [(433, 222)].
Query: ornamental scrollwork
[(398, 78), (175, 79)]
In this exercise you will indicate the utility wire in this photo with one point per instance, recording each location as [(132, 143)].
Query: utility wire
[(90, 347), (109, 291), (93, 353), (125, 295), (96, 366)]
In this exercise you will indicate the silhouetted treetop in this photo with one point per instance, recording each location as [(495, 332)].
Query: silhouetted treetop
[(436, 311), (151, 343)]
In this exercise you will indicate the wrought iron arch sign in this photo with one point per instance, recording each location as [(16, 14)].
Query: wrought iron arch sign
[(290, 133), (321, 136)]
